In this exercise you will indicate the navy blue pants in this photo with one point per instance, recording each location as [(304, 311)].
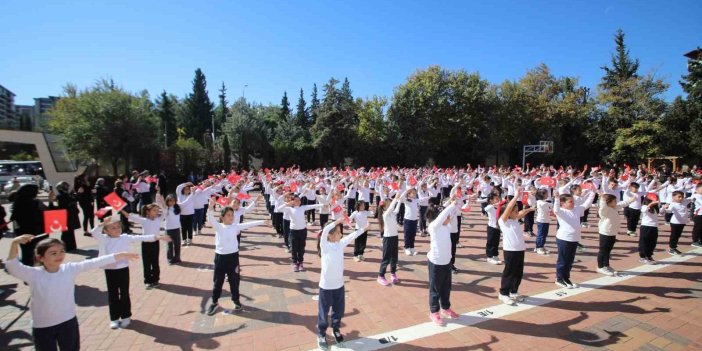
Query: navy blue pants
[(336, 301), (648, 238), (566, 256), (541, 234), (64, 335), (410, 233)]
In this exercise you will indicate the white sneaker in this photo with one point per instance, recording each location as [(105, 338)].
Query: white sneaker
[(614, 271), (604, 271), (505, 299), (125, 322), (517, 297), (114, 324), (497, 260), (414, 252), (357, 258), (408, 252), (541, 251)]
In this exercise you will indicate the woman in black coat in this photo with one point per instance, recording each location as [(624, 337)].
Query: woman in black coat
[(68, 201), (86, 201), (28, 218)]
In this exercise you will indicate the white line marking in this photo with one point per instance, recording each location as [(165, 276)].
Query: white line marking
[(423, 330)]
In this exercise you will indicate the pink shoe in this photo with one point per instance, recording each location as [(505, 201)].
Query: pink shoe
[(448, 313), (382, 281), (295, 267), (394, 278), (436, 318), (301, 267)]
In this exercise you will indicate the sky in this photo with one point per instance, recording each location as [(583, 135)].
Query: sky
[(276, 46)]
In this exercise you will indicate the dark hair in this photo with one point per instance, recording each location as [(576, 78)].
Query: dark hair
[(176, 207), (565, 197), (338, 227), (44, 245), (635, 185), (575, 187), (359, 204), (224, 211), (492, 197), (608, 198), (432, 213), (646, 201), (541, 194)]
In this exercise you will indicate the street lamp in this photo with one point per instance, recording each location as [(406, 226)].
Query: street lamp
[(243, 91)]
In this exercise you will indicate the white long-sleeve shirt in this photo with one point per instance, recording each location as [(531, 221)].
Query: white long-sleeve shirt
[(297, 215), (172, 219), (543, 211), (332, 260), (679, 211), (110, 245), (225, 235), (361, 218), (53, 294), (569, 220), (512, 235), (186, 202), (389, 223), (150, 226), (440, 246)]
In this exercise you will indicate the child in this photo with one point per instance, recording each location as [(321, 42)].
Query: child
[(111, 240), (679, 218), (696, 219), (52, 290), (439, 263), (410, 218), (529, 218), (543, 220), (360, 216), (568, 235), (633, 211), (298, 230), (150, 221), (493, 232), (388, 228), (331, 280), (186, 198), (226, 261), (609, 227), (648, 237), (173, 229), (513, 248)]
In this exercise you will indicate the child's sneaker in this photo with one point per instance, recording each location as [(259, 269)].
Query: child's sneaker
[(517, 297), (505, 299), (448, 313), (436, 318), (414, 252), (212, 309), (643, 260), (295, 267), (673, 252), (561, 283), (287, 249), (697, 244), (125, 322), (631, 233), (408, 252), (322, 343), (581, 249), (571, 285), (301, 267), (237, 306), (604, 271), (651, 260), (114, 324), (497, 260), (382, 281), (338, 337), (614, 271), (148, 286), (357, 258), (394, 279)]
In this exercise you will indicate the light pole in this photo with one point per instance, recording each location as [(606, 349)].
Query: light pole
[(243, 91)]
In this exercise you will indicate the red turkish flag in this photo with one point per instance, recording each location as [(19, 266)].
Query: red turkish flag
[(337, 209), (55, 221), (340, 187), (466, 207), (293, 187), (412, 180), (243, 196), (101, 212), (548, 181), (394, 186), (525, 198), (223, 201), (589, 186), (114, 201), (652, 196)]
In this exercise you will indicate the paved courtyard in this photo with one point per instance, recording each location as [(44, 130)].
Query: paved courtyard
[(649, 308)]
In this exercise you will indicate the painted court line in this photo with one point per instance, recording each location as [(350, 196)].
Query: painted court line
[(423, 330)]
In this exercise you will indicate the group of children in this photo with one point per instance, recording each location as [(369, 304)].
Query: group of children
[(429, 200)]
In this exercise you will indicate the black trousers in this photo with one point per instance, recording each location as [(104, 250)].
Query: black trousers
[(360, 244), (226, 265), (697, 228), (400, 215), (278, 222), (648, 238), (69, 239), (390, 247), (336, 301), (606, 245), (529, 222), (311, 214), (63, 336), (512, 273), (675, 233), (186, 227), (493, 242), (632, 218), (298, 239), (583, 218), (149, 257), (422, 220), (454, 242), (439, 286), (173, 253), (287, 237), (323, 219), (118, 293), (350, 206), (88, 216)]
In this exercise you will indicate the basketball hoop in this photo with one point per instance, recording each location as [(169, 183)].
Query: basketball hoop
[(544, 147)]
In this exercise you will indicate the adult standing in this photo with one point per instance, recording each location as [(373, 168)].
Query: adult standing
[(67, 200), (86, 201), (28, 217), (100, 192)]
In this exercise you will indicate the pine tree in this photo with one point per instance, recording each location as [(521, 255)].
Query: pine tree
[(284, 108), (226, 153), (314, 106), (198, 109), (692, 82), (165, 110), (222, 110), (301, 114), (623, 67)]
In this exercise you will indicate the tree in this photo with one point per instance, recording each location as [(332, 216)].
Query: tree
[(314, 106), (334, 130), (639, 141), (190, 155), (102, 122), (284, 108), (623, 67), (301, 113), (165, 110), (226, 153), (222, 110), (198, 110)]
